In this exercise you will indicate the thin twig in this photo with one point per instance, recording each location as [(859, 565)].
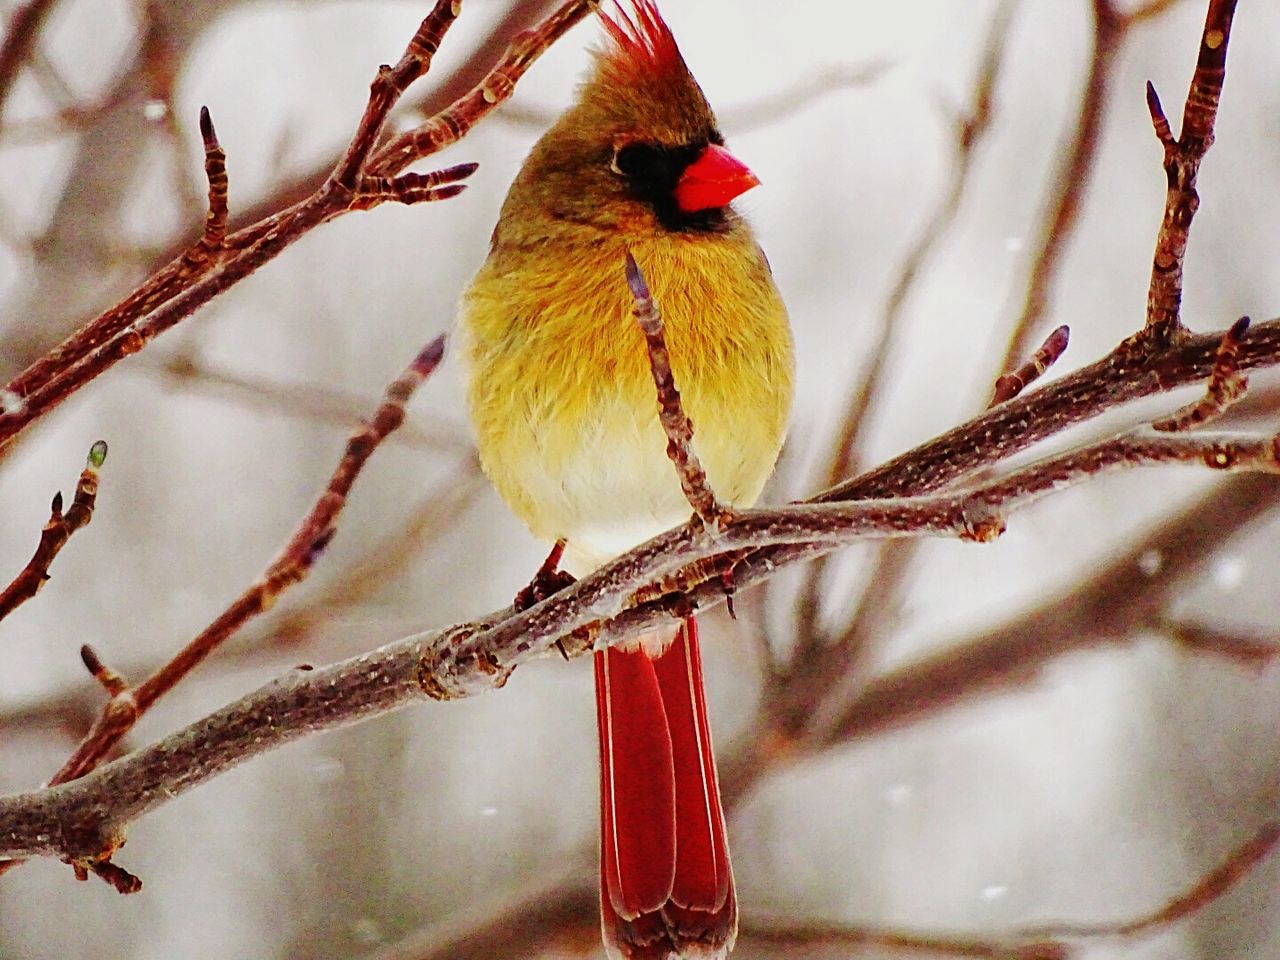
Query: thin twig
[(199, 256), (21, 33), (321, 402), (424, 525), (1009, 385), (1212, 886), (1226, 385), (675, 423), (783, 935), (1248, 651), (215, 169), (387, 88), (452, 123), (106, 678), (1182, 158), (57, 531), (1071, 179)]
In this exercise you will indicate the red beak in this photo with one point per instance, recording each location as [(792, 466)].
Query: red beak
[(715, 178)]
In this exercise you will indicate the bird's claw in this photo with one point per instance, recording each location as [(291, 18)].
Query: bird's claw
[(549, 579)]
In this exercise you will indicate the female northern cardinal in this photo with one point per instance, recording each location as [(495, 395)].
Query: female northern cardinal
[(566, 420)]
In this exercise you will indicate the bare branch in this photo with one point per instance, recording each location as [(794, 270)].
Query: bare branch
[(967, 132), (1084, 617), (675, 423), (792, 935), (599, 610), (1182, 158), (1209, 888), (1010, 385), (294, 562), (21, 32), (192, 280), (57, 531), (1226, 385), (84, 819), (1248, 651), (107, 678)]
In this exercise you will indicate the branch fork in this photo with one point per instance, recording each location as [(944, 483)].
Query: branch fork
[(1226, 385)]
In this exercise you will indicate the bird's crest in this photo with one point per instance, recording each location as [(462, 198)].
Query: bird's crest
[(642, 41)]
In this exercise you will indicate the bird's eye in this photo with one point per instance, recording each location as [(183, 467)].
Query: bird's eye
[(639, 161)]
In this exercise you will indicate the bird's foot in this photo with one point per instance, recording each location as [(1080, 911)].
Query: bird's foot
[(548, 580), (729, 583)]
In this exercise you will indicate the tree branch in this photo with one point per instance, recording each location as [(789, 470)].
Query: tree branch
[(57, 531), (21, 32), (1210, 887), (1009, 385), (675, 422), (309, 541), (1225, 387), (818, 935), (1182, 158), (1071, 179), (1084, 617), (84, 820), (364, 177), (967, 133)]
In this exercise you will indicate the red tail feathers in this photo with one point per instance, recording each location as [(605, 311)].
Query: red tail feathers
[(666, 888)]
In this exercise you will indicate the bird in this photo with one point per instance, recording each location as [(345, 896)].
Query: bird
[(565, 415)]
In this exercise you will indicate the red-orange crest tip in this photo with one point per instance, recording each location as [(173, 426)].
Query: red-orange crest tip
[(641, 41)]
